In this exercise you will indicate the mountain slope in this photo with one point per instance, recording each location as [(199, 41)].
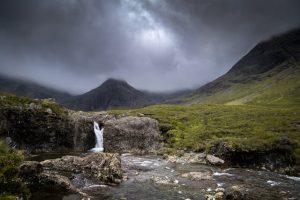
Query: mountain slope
[(29, 89), (268, 74), (111, 94)]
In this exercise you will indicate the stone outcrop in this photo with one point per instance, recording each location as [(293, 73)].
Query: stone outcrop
[(131, 133), (105, 167), (213, 160), (121, 133), (39, 126), (280, 158), (196, 158), (56, 174), (32, 127), (36, 179)]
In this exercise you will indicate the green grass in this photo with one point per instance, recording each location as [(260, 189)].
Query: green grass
[(10, 184), (248, 127), (279, 86), (10, 100)]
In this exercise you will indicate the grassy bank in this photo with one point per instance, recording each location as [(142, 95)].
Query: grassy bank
[(10, 184), (248, 127), (10, 100)]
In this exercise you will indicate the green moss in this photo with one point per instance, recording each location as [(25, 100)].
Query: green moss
[(8, 197)]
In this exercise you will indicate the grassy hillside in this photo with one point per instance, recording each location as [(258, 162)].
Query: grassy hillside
[(279, 86), (268, 75), (247, 127)]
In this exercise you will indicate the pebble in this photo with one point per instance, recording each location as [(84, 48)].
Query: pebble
[(219, 195), (209, 197)]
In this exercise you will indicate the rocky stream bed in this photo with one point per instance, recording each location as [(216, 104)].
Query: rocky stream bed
[(153, 177)]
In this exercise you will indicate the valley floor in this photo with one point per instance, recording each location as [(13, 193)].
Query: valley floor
[(242, 127)]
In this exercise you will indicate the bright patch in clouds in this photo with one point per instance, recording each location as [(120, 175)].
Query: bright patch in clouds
[(155, 38)]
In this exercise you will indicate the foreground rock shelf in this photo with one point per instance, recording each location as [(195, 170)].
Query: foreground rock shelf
[(56, 174), (114, 176)]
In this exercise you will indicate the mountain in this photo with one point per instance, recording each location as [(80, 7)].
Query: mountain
[(268, 74), (112, 93), (29, 89)]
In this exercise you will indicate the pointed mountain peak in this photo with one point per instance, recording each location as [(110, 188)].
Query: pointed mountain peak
[(114, 81)]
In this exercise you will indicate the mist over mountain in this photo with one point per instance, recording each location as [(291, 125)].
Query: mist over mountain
[(269, 73), (30, 89)]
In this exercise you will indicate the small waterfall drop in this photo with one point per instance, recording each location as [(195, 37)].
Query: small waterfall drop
[(99, 138)]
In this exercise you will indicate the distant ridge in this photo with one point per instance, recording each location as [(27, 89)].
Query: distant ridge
[(29, 89)]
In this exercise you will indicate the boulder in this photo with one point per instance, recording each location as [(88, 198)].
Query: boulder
[(279, 157), (55, 175), (29, 168), (33, 175), (105, 167), (55, 182), (131, 133), (213, 160), (219, 196), (191, 158), (236, 192), (195, 158)]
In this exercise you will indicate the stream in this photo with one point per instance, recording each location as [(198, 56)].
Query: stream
[(151, 177)]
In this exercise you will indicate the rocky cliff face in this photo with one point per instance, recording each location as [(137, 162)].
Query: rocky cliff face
[(121, 133), (135, 133), (34, 126), (45, 126)]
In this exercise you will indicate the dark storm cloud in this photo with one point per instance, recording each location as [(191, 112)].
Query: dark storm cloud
[(156, 45)]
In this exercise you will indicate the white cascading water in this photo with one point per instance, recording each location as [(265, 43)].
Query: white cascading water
[(99, 138)]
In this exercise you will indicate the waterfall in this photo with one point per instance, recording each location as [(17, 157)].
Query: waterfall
[(99, 138)]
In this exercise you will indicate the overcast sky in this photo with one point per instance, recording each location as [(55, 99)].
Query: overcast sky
[(155, 45)]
